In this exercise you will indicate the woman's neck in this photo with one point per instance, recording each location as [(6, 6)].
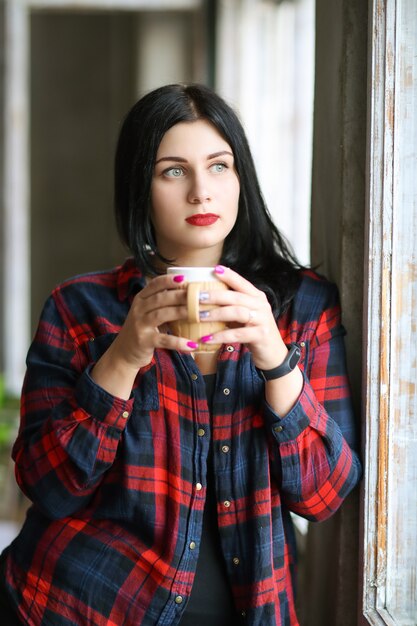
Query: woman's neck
[(195, 258), (206, 362)]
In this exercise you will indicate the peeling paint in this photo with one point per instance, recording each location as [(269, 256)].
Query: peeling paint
[(390, 541)]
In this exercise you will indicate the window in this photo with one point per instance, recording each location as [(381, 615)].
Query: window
[(265, 69), (27, 276), (390, 485)]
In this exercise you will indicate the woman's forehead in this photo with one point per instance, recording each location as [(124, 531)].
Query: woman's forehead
[(199, 137)]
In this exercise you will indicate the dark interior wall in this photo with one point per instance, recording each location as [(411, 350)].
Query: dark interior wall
[(81, 86), (339, 157), (330, 581)]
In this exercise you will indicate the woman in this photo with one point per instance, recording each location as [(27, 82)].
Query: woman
[(162, 484)]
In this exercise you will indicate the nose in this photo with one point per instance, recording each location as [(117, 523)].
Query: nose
[(198, 192)]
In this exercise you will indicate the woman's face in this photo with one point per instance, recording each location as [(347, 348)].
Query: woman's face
[(194, 193)]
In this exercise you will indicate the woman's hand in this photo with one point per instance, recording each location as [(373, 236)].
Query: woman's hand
[(159, 303), (249, 316)]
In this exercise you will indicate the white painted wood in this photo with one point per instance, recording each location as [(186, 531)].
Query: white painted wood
[(16, 197), (402, 460), (149, 5), (265, 69), (390, 483)]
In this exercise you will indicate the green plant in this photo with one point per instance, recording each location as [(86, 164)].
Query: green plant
[(2, 390)]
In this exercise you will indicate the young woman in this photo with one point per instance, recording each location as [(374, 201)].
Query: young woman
[(162, 479)]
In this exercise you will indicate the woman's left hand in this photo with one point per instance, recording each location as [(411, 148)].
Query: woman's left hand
[(248, 314)]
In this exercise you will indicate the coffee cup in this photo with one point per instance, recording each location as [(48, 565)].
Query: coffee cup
[(198, 280)]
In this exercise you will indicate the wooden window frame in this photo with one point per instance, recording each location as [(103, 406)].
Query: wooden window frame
[(390, 400)]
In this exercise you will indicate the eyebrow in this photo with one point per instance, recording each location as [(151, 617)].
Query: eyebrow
[(179, 159)]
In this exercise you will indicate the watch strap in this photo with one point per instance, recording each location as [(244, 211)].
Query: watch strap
[(289, 364)]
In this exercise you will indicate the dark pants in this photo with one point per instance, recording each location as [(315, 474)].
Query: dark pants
[(8, 615)]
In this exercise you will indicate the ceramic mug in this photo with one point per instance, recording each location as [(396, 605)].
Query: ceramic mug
[(197, 280)]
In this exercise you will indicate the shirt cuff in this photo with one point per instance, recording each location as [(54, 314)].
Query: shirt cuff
[(302, 415), (100, 404)]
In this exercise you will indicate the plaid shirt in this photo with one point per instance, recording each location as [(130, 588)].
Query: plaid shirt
[(119, 486)]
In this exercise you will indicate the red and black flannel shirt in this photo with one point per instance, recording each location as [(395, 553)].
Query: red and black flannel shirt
[(118, 487)]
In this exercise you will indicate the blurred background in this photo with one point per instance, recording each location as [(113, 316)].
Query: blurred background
[(72, 70), (295, 72)]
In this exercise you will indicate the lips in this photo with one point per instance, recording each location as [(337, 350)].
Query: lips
[(202, 219)]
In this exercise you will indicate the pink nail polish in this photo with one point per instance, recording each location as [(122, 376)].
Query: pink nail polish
[(179, 278), (192, 344), (206, 338), (219, 269)]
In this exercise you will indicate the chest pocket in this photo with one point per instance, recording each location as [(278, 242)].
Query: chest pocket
[(145, 389), (97, 346)]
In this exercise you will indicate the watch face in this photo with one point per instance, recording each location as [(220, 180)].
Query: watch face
[(290, 362), (295, 357)]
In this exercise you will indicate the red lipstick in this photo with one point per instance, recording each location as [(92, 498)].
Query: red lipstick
[(202, 219)]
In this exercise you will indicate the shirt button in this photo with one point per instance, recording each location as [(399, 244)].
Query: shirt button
[(225, 449), (201, 432), (226, 391), (178, 600), (278, 429), (226, 503), (192, 545), (125, 414), (230, 349), (194, 376), (243, 613), (236, 560), (303, 344), (199, 486)]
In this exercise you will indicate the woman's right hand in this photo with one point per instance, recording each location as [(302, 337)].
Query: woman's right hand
[(157, 304)]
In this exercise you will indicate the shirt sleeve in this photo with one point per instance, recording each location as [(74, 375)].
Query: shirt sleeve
[(314, 445), (70, 427)]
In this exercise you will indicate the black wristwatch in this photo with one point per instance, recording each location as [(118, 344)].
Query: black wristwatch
[(290, 362)]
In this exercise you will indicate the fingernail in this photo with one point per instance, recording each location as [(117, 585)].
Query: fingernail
[(178, 278), (206, 338), (204, 296), (192, 344), (219, 269), (204, 315)]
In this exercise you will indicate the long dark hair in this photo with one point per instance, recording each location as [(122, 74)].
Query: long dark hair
[(255, 248)]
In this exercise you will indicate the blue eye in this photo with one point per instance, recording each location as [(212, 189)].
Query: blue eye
[(174, 172), (219, 167)]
